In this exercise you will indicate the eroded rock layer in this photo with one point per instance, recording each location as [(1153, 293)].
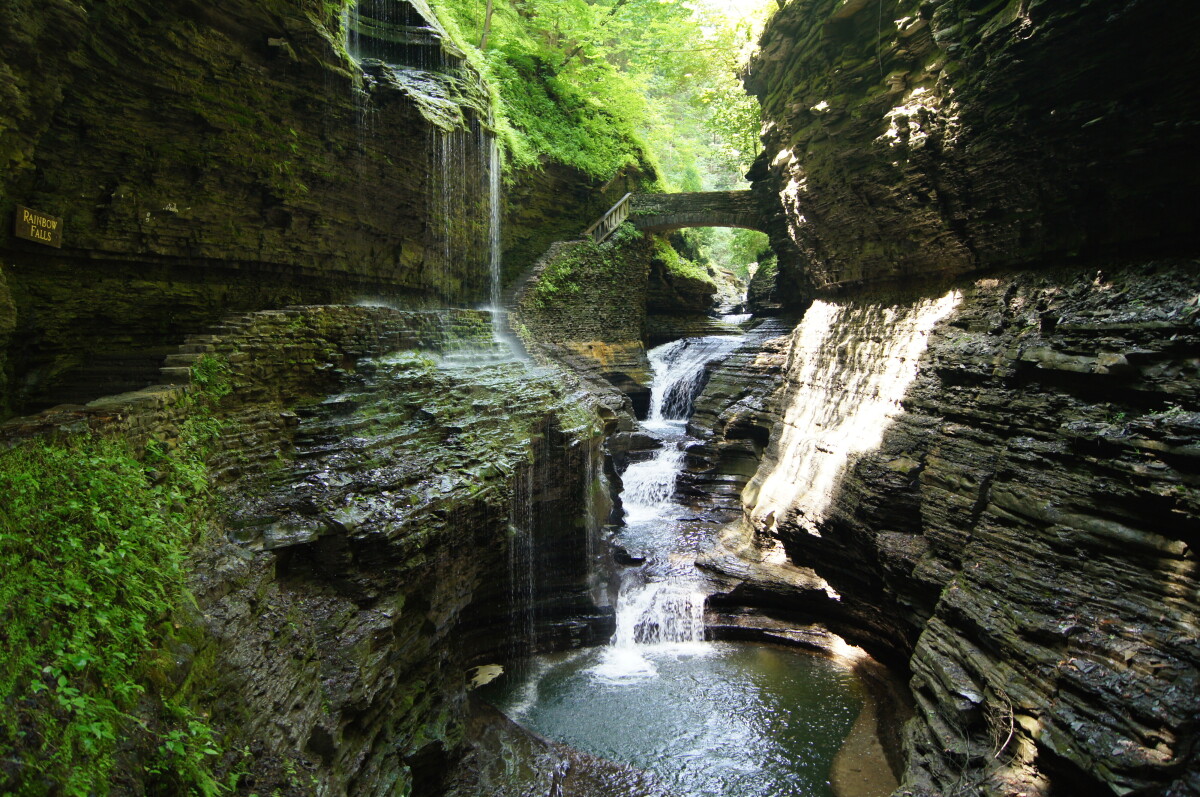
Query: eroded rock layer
[(1021, 530), (399, 505), (908, 139), (214, 158)]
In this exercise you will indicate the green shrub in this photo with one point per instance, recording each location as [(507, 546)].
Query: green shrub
[(679, 266), (93, 542), (562, 282)]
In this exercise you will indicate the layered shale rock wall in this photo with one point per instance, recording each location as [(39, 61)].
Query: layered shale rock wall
[(584, 304), (908, 139), (207, 159), (386, 525), (989, 480), (1020, 529)]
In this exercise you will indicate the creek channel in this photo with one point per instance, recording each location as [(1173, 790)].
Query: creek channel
[(708, 719)]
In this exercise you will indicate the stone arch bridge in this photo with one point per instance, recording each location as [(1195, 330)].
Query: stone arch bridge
[(665, 212)]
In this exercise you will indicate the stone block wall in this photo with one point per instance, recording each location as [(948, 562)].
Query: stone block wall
[(274, 356), (585, 304)]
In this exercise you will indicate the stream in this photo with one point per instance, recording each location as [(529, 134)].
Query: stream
[(708, 719)]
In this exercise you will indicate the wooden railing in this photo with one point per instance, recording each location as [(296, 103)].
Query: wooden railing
[(610, 221)]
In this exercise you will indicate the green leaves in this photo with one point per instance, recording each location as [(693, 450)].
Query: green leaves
[(595, 83), (93, 559)]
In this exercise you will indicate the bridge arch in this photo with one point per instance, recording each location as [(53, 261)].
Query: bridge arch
[(665, 212)]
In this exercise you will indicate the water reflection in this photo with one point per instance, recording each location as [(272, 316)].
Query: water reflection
[(723, 720)]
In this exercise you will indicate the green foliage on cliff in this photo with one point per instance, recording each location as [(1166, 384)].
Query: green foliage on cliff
[(558, 122), (680, 266), (92, 546), (561, 283)]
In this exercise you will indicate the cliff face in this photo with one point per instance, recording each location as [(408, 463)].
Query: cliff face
[(995, 475), (908, 139), (209, 158), (584, 304), (385, 525), (423, 521), (998, 479)]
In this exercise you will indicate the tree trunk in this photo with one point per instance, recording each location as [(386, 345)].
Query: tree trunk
[(487, 26)]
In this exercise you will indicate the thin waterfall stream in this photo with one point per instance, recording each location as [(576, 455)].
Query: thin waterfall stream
[(707, 718)]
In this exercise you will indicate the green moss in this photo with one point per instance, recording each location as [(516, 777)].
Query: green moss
[(562, 282), (679, 266)]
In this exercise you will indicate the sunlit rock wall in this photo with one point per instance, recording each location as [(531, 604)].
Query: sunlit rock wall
[(907, 139), (214, 158), (1011, 513), (1020, 531)]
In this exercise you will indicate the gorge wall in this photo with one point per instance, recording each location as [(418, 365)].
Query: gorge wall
[(208, 159), (908, 139), (1013, 519), (384, 524), (1000, 496)]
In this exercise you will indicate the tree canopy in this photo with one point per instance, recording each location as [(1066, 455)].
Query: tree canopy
[(591, 82)]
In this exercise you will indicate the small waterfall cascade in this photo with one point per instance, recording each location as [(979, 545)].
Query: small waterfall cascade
[(679, 374), (650, 485), (522, 567), (495, 255), (660, 606), (401, 49)]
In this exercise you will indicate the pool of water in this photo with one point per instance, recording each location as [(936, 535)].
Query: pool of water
[(709, 719)]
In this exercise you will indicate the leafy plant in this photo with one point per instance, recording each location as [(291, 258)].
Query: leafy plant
[(93, 543), (597, 84)]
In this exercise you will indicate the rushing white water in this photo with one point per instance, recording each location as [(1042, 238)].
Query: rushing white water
[(679, 371), (660, 612), (650, 485), (660, 607), (848, 370)]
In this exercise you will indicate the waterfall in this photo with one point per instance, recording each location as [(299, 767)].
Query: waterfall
[(650, 485), (679, 374), (660, 606), (494, 251), (521, 565), (659, 612), (399, 48)]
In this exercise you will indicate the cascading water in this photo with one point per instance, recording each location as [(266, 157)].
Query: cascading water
[(660, 607), (679, 373), (400, 50), (711, 719)]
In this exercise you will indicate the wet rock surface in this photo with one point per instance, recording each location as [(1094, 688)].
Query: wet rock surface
[(1022, 539), (208, 159), (733, 419), (425, 520), (401, 502)]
